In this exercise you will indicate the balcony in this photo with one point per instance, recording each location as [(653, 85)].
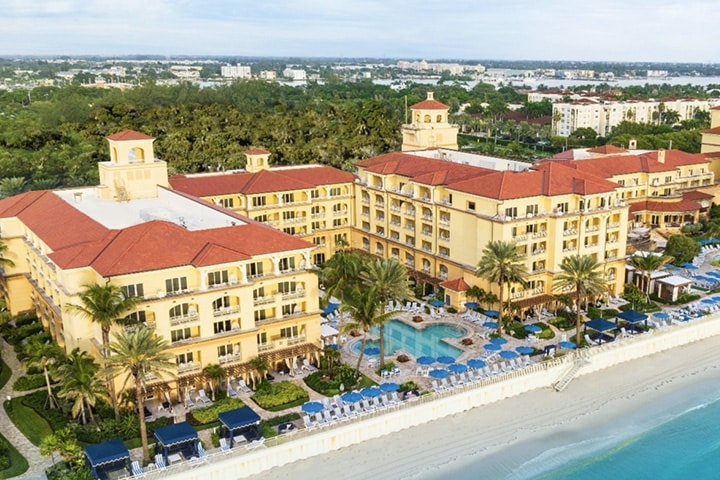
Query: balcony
[(394, 208), (427, 218), (229, 359), (444, 221), (519, 238), (263, 300), (540, 234), (592, 228), (569, 232), (295, 293), (189, 367), (409, 211), (220, 312), (186, 318), (444, 238)]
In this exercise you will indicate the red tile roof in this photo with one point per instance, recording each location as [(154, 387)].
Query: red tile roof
[(607, 167), (256, 151), (425, 170), (430, 105), (129, 135), (264, 181), (660, 206), (152, 245), (713, 131), (607, 150), (697, 195), (456, 285)]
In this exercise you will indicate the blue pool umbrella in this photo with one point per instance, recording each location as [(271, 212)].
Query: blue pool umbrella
[(661, 315), (492, 313), (567, 344), (372, 351), (439, 373), (331, 307), (457, 368), (490, 325), (498, 341), (708, 301), (524, 350), (475, 363), (508, 354), (472, 304), (351, 397), (689, 266), (492, 347), (389, 387), (533, 328), (370, 392), (425, 360), (437, 303), (445, 359), (312, 407)]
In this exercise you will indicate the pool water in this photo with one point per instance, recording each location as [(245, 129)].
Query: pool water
[(416, 341)]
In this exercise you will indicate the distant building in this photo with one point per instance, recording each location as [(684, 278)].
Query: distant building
[(268, 75), (295, 74), (235, 71)]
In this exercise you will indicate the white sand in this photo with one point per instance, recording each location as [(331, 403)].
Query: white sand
[(496, 439)]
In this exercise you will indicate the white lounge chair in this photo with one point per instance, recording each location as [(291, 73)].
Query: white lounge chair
[(590, 340), (160, 462), (232, 393), (224, 447), (243, 386), (137, 470), (309, 424), (202, 453), (202, 397), (188, 401)]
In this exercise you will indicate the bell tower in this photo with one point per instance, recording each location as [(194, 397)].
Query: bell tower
[(257, 159), (429, 127)]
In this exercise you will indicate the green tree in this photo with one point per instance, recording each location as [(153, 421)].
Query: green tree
[(502, 264), (10, 186), (391, 281), (682, 249), (214, 374), (45, 356), (261, 366), (138, 356), (645, 265), (64, 442), (80, 385), (340, 274), (105, 305), (582, 275)]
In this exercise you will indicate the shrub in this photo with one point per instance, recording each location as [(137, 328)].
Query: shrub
[(517, 329), (321, 383), (38, 402), (268, 426), (205, 415), (279, 395), (25, 319), (29, 382), (16, 335)]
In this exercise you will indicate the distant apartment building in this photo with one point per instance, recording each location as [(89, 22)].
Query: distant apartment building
[(186, 71), (268, 75), (235, 71), (295, 74)]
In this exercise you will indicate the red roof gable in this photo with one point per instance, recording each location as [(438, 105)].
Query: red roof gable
[(607, 150), (430, 105), (129, 135), (660, 206), (697, 195), (256, 151), (425, 170), (610, 166), (713, 131), (456, 285)]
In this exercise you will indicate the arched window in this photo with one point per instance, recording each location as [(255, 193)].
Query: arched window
[(438, 119), (427, 119)]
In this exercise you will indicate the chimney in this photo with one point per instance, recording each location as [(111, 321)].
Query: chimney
[(661, 155), (430, 96)]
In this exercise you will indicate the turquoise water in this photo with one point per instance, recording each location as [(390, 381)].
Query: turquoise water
[(417, 341)]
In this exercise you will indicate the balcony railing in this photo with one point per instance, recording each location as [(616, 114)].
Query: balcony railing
[(226, 311), (184, 368), (186, 318)]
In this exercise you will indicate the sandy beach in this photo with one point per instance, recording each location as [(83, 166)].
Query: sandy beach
[(501, 440)]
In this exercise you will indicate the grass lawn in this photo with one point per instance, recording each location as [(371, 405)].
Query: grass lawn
[(18, 464), (32, 425), (5, 373)]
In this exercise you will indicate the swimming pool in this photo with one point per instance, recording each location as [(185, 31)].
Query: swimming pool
[(416, 341)]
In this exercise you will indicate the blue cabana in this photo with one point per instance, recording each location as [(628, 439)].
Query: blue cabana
[(107, 457), (180, 437), (633, 316), (239, 420), (601, 325), (331, 307)]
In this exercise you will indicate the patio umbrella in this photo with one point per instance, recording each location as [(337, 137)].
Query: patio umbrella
[(389, 387), (689, 266), (708, 301), (439, 373), (490, 325), (533, 328), (524, 350), (425, 360), (370, 392), (475, 363), (437, 303), (312, 407), (661, 315), (445, 359), (457, 368), (492, 347), (508, 354), (498, 341), (372, 351), (567, 344), (351, 397), (492, 313), (472, 304)]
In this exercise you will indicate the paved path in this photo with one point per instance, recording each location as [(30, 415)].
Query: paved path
[(37, 463)]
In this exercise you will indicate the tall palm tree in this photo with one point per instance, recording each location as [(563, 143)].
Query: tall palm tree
[(391, 281), (214, 374), (647, 264), (340, 274), (261, 366), (366, 311), (106, 305), (45, 356), (502, 264), (138, 355), (79, 384), (581, 274)]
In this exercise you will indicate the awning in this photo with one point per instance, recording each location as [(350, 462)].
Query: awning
[(632, 316), (531, 302), (600, 324), (175, 434), (239, 418), (327, 331), (106, 452)]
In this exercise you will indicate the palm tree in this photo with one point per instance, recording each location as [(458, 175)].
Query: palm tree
[(106, 305), (261, 366), (214, 374), (46, 356), (391, 282), (340, 274), (501, 263), (138, 355), (646, 265), (366, 311), (79, 383), (330, 357), (581, 274)]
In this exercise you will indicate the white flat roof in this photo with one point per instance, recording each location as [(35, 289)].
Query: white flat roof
[(675, 280), (168, 206)]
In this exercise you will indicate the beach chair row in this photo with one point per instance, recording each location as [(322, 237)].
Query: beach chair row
[(390, 373), (349, 411)]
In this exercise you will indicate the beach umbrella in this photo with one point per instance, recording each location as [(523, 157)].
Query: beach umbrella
[(490, 325), (372, 351), (370, 392), (312, 407), (524, 350), (492, 347), (533, 328), (492, 313), (498, 341), (567, 345), (475, 363), (425, 360), (472, 304), (351, 397), (708, 301), (508, 354), (445, 359), (389, 387), (457, 368), (439, 373), (661, 315), (437, 303), (688, 266)]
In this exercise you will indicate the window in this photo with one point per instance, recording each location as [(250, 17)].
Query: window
[(337, 222), (259, 201), (339, 207), (260, 218), (217, 278), (222, 326), (259, 293), (227, 202), (135, 290), (531, 209), (260, 315), (471, 206), (183, 310), (335, 192), (511, 212), (289, 309), (287, 287), (315, 210), (224, 350), (180, 334), (289, 332), (315, 193), (319, 258), (340, 238), (562, 207), (288, 198), (174, 285), (136, 317), (262, 338), (184, 358), (254, 269), (289, 230), (220, 303), (286, 264), (288, 215), (319, 240)]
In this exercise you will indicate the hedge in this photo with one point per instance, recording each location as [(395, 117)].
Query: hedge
[(279, 395)]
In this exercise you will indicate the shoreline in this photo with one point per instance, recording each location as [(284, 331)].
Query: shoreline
[(504, 435)]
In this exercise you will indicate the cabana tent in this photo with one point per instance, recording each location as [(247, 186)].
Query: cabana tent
[(180, 437), (106, 457), (601, 325), (241, 421), (633, 317)]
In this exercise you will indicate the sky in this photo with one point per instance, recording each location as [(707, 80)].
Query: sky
[(599, 30)]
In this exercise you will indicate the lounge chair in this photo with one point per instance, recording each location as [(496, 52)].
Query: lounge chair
[(436, 387), (243, 386), (444, 382), (224, 447), (137, 470), (309, 424), (255, 444), (589, 340), (160, 462), (202, 453), (338, 414), (188, 401), (202, 397), (232, 393), (308, 366)]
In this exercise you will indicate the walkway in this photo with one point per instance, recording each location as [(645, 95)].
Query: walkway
[(37, 463)]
